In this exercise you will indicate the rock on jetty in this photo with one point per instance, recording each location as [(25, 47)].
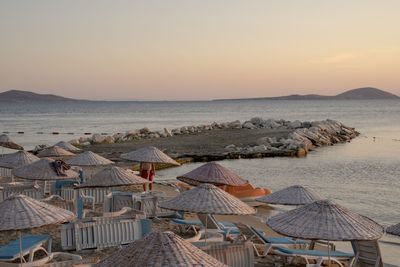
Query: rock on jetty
[(301, 138)]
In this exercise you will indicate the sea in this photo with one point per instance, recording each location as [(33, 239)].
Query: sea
[(363, 175)]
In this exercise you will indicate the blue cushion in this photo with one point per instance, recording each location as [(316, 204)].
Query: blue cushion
[(280, 240), (11, 250), (316, 253), (197, 222), (146, 226)]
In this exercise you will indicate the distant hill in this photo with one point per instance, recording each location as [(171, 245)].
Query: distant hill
[(365, 93), (18, 96), (359, 93)]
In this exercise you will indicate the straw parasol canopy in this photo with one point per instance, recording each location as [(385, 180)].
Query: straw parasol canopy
[(43, 169), (325, 220), (292, 195), (88, 158), (17, 159), (54, 151), (6, 142), (149, 154), (67, 146), (208, 199), (114, 176), (160, 249), (212, 173), (20, 212), (394, 229)]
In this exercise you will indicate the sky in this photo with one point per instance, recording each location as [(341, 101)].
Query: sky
[(197, 50)]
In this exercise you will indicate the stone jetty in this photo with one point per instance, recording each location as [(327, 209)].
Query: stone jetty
[(254, 138)]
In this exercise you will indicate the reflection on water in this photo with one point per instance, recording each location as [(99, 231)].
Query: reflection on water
[(362, 175)]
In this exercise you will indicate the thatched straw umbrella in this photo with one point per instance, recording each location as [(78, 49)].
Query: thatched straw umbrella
[(89, 161), (394, 229), (212, 173), (292, 195), (149, 154), (67, 146), (88, 158), (160, 249), (6, 142), (20, 212), (325, 220), (208, 199), (54, 152), (112, 177), (43, 170), (17, 159)]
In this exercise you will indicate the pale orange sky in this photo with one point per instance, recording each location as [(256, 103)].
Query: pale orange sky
[(198, 49)]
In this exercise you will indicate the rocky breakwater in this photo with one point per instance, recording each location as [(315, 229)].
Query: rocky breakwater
[(305, 137), (254, 138)]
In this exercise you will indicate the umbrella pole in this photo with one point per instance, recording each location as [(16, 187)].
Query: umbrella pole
[(329, 254), (20, 247), (206, 228)]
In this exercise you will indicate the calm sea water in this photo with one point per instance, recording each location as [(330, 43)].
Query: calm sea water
[(363, 175)]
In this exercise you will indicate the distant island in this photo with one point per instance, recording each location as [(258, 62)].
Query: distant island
[(18, 96), (359, 93)]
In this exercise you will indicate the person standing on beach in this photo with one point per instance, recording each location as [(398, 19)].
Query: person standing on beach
[(147, 171)]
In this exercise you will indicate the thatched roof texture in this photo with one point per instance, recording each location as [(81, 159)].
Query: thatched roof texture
[(20, 212), (114, 176), (54, 152), (42, 170), (88, 158), (67, 146), (160, 250), (149, 154), (208, 199), (293, 195), (17, 159), (5, 141), (325, 220), (212, 173)]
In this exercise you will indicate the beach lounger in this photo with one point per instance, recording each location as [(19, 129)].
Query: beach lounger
[(318, 256), (368, 254), (186, 225), (227, 229), (30, 245), (252, 234)]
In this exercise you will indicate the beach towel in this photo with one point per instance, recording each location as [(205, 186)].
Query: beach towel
[(61, 167)]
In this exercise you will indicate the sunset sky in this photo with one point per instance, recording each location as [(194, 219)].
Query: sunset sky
[(198, 49)]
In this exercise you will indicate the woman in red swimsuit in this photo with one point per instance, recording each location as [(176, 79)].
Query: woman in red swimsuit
[(147, 171)]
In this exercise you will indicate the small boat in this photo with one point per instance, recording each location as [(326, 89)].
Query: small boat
[(247, 192)]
